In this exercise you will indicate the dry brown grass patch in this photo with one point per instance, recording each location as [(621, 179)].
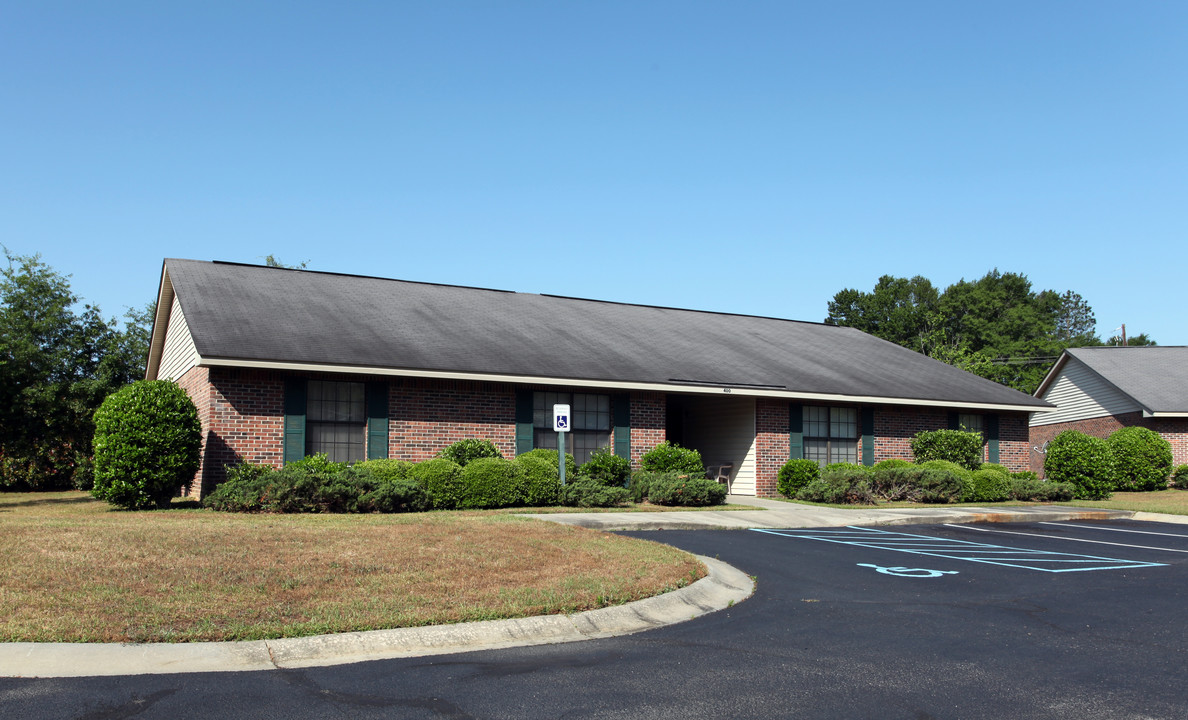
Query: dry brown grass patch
[(74, 570)]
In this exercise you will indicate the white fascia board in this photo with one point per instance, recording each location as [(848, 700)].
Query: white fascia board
[(160, 325), (1150, 414), (609, 384)]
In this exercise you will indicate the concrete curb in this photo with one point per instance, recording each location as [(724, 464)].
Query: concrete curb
[(722, 587), (807, 517)]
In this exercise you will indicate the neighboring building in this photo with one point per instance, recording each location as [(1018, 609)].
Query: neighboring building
[(283, 363), (1098, 390)]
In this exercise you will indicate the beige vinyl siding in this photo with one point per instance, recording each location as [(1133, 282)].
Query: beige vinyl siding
[(1079, 394), (725, 432), (179, 354)]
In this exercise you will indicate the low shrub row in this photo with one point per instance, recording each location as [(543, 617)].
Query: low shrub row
[(470, 474), (933, 481)]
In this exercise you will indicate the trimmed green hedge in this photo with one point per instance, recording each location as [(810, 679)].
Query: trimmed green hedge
[(670, 457), (1142, 459), (957, 446), (1086, 462), (795, 474), (147, 443)]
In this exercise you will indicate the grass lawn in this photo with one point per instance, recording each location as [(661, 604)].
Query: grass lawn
[(72, 569), (1174, 502)]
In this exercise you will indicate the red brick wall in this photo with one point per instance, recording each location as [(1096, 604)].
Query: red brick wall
[(427, 415), (771, 444), (196, 383), (648, 423), (1174, 430)]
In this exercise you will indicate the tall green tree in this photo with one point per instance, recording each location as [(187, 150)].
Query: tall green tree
[(997, 326), (898, 309), (57, 364)]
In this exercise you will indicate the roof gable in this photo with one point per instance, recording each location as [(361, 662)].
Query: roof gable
[(248, 313), (1154, 377)]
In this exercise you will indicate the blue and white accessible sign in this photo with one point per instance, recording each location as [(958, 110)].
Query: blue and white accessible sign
[(561, 418)]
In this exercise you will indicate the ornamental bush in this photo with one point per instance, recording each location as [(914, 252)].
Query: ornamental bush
[(442, 480), (1179, 478), (671, 489), (550, 456), (243, 490), (491, 482), (607, 468), (958, 446), (586, 492), (941, 485), (1142, 459), (1024, 488), (897, 481), (309, 488), (541, 482), (670, 457), (464, 451), (839, 488), (1086, 462), (891, 463), (147, 441), (846, 467), (795, 474), (990, 486), (386, 469), (641, 481)]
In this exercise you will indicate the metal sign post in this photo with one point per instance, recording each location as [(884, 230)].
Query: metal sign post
[(561, 426)]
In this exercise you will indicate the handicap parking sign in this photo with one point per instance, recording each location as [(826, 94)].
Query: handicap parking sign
[(561, 418)]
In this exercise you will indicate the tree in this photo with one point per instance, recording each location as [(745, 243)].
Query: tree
[(1075, 319), (1140, 340), (996, 326), (56, 366), (898, 309), (274, 261)]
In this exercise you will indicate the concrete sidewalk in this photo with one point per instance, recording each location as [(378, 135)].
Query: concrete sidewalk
[(778, 514)]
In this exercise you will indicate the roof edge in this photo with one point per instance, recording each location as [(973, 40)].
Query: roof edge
[(165, 295), (683, 387)]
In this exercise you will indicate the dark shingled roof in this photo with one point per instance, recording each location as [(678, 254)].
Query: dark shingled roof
[(1156, 377), (249, 312)]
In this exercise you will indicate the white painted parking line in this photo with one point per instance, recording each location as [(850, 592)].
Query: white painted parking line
[(1112, 529), (1070, 539), (1024, 558)]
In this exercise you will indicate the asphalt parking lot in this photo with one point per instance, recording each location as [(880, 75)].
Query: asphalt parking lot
[(1069, 620)]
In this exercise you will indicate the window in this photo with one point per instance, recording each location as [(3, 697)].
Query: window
[(831, 435), (591, 422), (972, 423), (335, 420)]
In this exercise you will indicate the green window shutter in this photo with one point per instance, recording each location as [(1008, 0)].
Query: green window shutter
[(867, 419), (621, 405), (954, 421), (992, 436), (795, 431), (377, 420), (294, 444), (523, 421)]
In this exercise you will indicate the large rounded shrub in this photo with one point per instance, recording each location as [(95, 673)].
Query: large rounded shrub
[(541, 483), (670, 457), (463, 451), (1086, 462), (957, 446), (990, 485), (442, 480), (1179, 479), (491, 482), (1142, 459), (607, 468), (147, 442), (795, 474), (550, 456)]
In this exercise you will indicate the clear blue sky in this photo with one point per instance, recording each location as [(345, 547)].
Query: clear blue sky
[(751, 157)]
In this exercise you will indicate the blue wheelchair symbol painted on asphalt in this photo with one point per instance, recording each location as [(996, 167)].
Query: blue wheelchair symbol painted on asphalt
[(909, 572)]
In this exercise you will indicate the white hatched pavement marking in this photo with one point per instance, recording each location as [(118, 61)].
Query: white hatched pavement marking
[(970, 551)]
